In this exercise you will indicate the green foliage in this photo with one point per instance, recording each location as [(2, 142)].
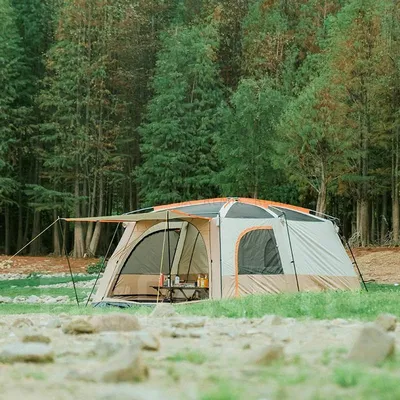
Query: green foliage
[(97, 267), (245, 145), (13, 83), (347, 376), (182, 119), (314, 140)]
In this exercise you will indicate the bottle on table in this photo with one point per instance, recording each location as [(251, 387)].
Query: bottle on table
[(206, 281), (177, 280)]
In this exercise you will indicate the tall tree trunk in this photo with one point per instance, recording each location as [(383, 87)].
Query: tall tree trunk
[(7, 233), (395, 189), (322, 194), (96, 235), (373, 221), (383, 219), (36, 244), (56, 236), (79, 244)]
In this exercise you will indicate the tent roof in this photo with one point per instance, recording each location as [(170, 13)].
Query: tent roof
[(154, 215), (237, 207)]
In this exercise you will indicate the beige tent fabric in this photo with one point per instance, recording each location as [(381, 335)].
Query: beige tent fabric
[(132, 235), (253, 284), (194, 254), (215, 269)]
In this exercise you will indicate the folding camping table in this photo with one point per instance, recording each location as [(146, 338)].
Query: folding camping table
[(170, 290)]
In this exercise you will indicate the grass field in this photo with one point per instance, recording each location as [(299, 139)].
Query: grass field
[(323, 305)]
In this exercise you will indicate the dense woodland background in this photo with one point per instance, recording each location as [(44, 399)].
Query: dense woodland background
[(107, 106)]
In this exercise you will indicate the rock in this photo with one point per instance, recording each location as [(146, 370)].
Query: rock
[(126, 366), (372, 346), (33, 299), (54, 323), (198, 333), (109, 344), (78, 326), (188, 323), (270, 320), (26, 352), (115, 322), (386, 321), (34, 336), (163, 310), (22, 323), (4, 299), (268, 354), (148, 341)]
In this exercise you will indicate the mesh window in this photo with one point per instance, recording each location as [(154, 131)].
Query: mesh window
[(292, 215), (147, 256), (240, 210), (258, 253)]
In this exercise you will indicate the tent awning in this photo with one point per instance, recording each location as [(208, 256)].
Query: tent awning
[(151, 216)]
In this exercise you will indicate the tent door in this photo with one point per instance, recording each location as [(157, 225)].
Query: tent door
[(179, 249)]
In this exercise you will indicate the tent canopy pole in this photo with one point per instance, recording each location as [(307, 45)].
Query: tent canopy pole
[(69, 264)]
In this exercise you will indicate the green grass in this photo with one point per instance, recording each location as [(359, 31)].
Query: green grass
[(194, 357), (320, 305), (35, 280)]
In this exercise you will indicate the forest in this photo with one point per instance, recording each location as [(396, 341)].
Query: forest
[(107, 106)]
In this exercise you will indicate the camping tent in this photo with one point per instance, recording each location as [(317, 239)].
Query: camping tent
[(244, 245)]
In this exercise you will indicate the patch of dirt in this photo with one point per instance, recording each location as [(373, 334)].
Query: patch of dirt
[(44, 265), (379, 264)]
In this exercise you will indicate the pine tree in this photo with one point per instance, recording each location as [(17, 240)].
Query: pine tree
[(182, 119), (246, 144), (13, 112), (315, 144)]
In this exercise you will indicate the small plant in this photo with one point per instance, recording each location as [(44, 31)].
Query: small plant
[(97, 267), (193, 357), (347, 376)]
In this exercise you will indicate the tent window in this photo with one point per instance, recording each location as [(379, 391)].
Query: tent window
[(147, 256), (258, 253)]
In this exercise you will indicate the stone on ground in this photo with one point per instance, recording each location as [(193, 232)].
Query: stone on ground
[(372, 346), (109, 344), (186, 323), (269, 320), (148, 341), (22, 323), (386, 321), (78, 326), (115, 322), (125, 366), (26, 352), (163, 310), (53, 323), (268, 354), (35, 337)]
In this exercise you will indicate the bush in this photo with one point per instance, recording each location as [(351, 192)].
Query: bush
[(96, 267)]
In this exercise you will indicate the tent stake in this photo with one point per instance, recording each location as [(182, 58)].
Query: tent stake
[(291, 252), (69, 264), (355, 262), (102, 264)]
